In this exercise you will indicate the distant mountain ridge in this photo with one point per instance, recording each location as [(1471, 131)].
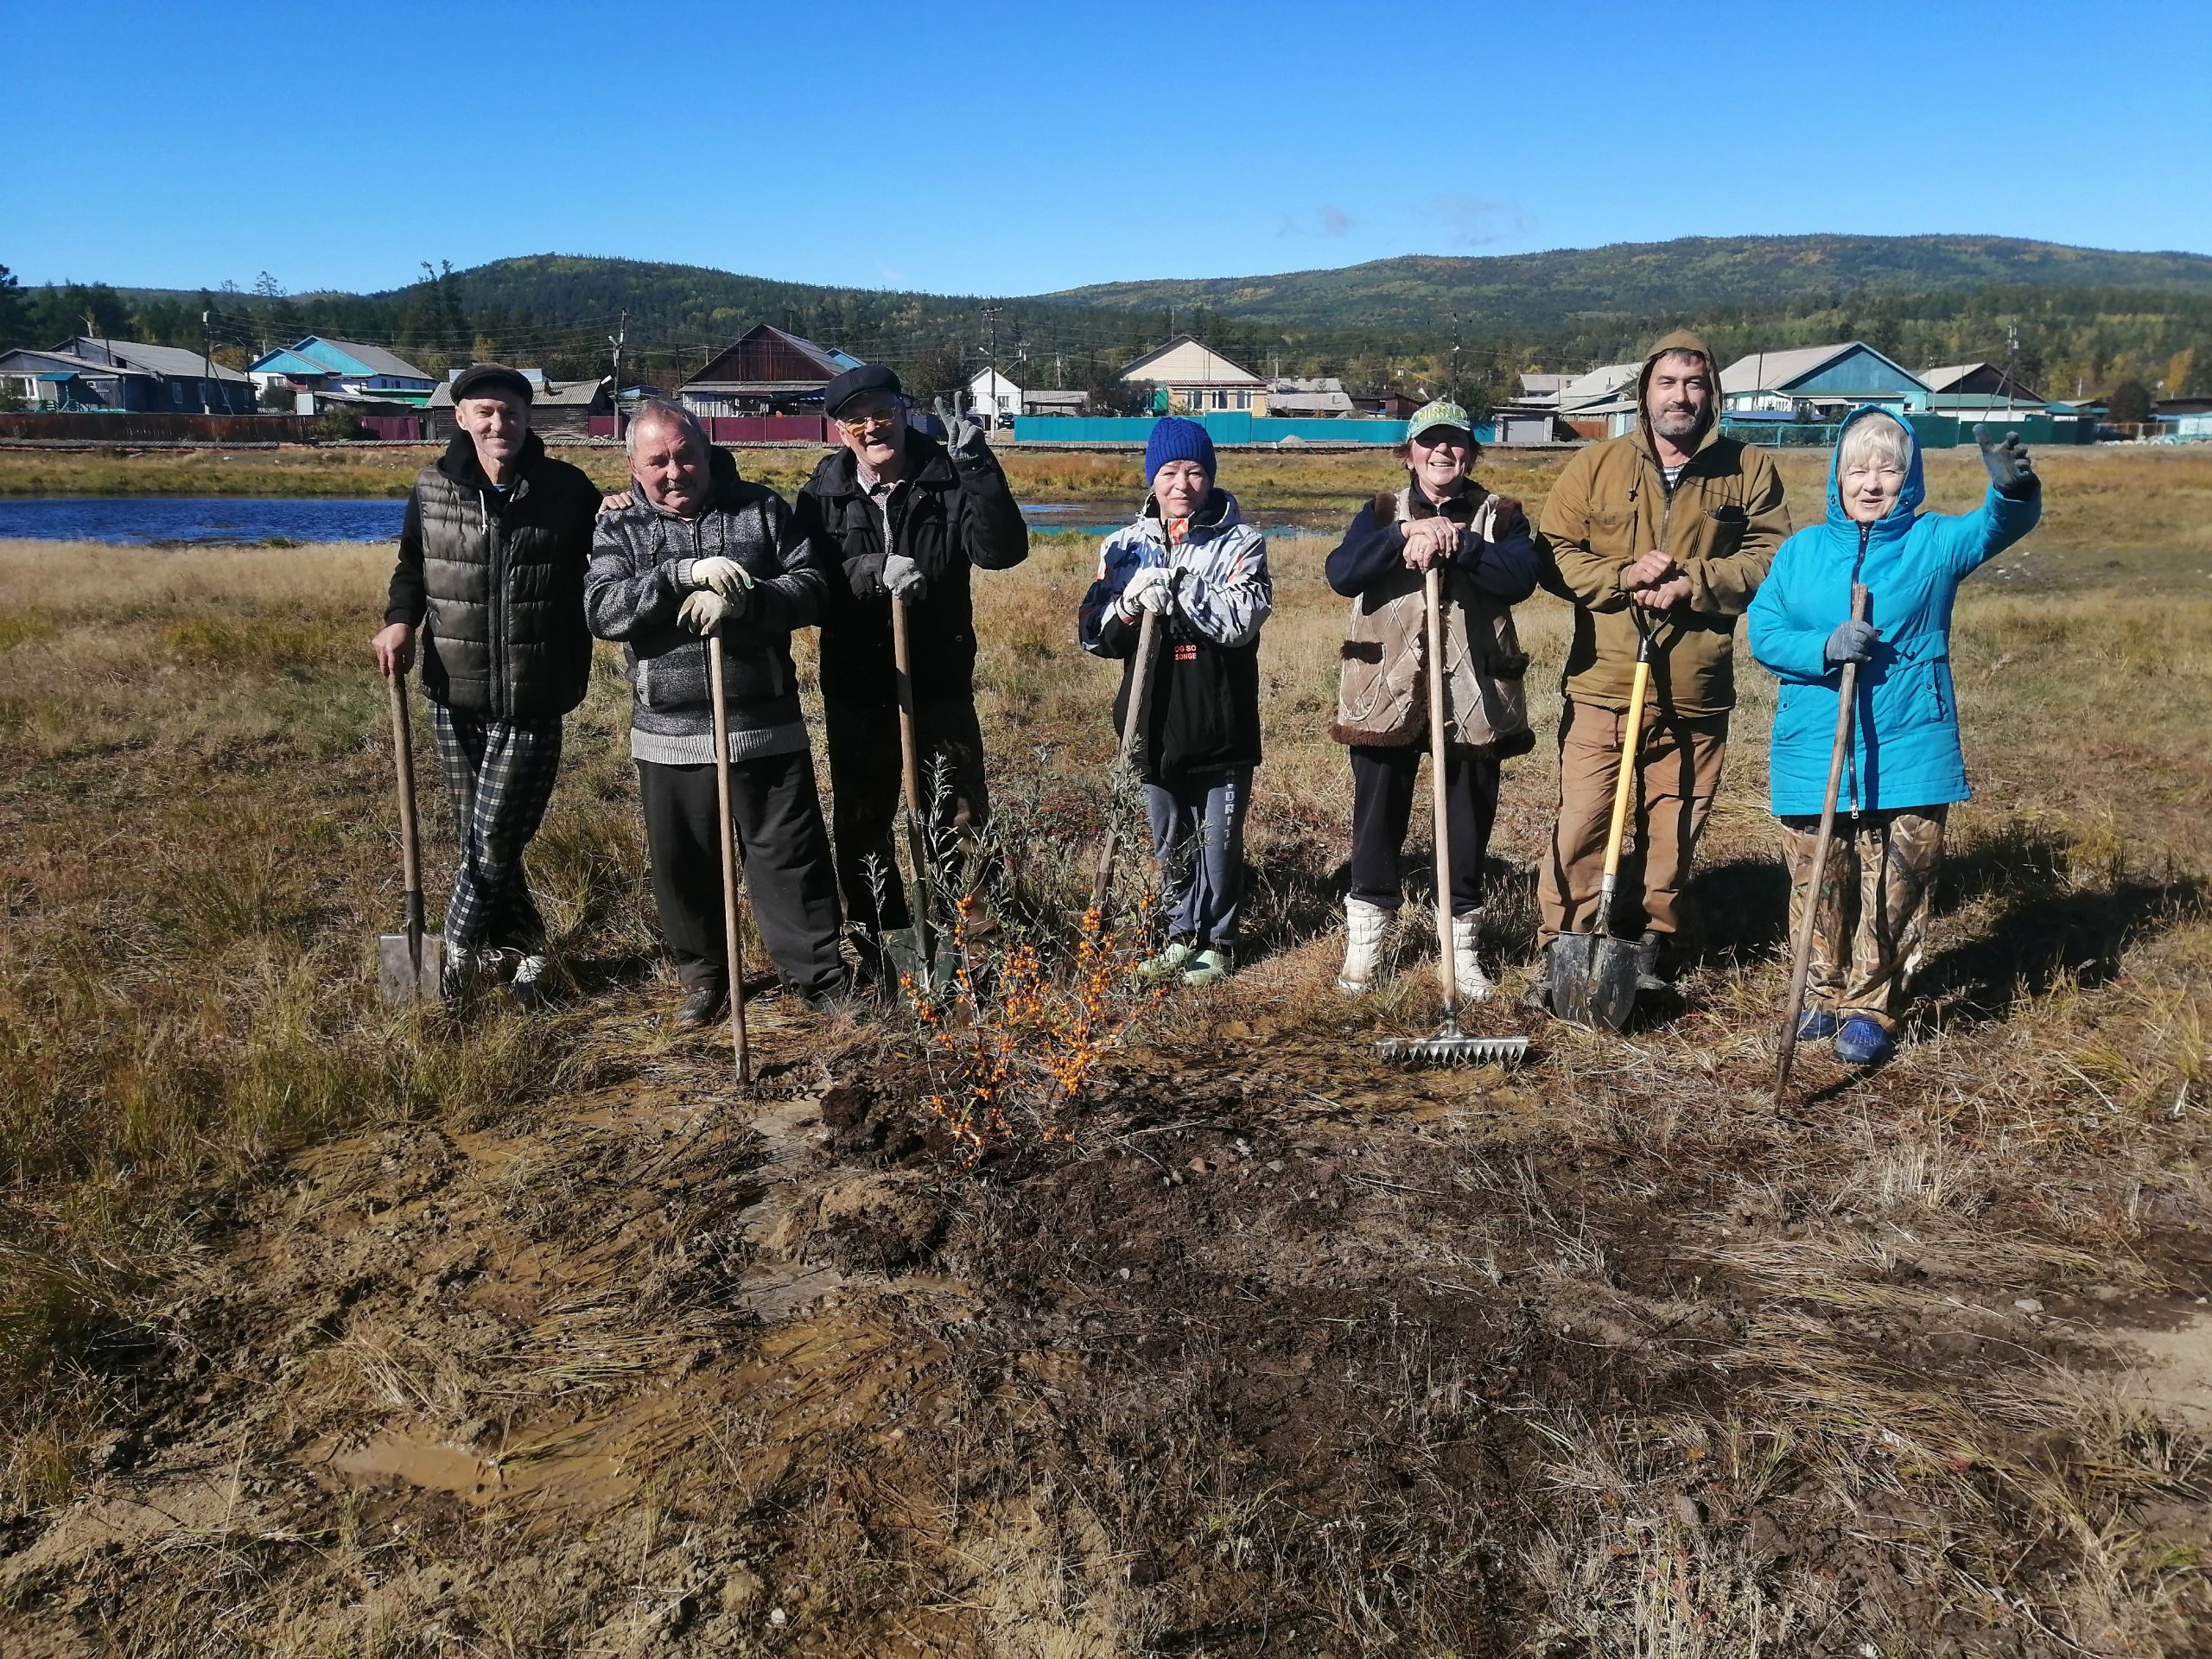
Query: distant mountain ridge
[(1542, 291)]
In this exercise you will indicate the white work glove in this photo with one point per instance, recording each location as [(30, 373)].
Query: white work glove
[(703, 612), (1151, 588), (726, 576), (903, 578)]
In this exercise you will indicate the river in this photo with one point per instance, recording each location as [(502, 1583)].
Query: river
[(186, 521)]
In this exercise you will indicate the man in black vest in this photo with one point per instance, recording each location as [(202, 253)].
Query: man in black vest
[(490, 570), (903, 516)]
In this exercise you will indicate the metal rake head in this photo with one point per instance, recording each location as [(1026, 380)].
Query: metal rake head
[(1450, 1048)]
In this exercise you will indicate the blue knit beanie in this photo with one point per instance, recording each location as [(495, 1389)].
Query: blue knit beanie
[(1175, 438)]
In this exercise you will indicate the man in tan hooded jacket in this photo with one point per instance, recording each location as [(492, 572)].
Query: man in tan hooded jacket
[(1669, 530)]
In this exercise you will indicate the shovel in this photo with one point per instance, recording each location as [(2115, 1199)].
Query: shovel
[(1132, 724), (1593, 975), (918, 957), (732, 941), (1801, 969), (410, 966), (1449, 1046)]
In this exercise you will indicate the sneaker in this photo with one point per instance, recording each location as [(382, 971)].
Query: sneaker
[(1650, 981), (459, 978), (1861, 1041), (1208, 967), (1816, 1025), (702, 1006), (1169, 963), (530, 987)]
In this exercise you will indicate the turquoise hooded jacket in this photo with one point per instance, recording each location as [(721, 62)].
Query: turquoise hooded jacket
[(1905, 747)]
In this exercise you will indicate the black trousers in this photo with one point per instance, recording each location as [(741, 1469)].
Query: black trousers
[(784, 852), (864, 783), (1382, 805)]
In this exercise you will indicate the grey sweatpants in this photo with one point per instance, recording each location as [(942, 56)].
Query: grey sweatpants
[(1197, 840)]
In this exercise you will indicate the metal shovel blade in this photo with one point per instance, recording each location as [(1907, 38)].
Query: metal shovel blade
[(1593, 979), (410, 971)]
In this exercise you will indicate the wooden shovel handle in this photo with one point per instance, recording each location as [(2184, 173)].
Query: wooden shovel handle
[(1447, 970), (732, 941), (410, 835)]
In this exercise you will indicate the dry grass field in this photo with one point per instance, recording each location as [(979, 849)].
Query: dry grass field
[(330, 1331)]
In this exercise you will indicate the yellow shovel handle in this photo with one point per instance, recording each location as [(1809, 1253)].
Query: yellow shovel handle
[(1625, 786)]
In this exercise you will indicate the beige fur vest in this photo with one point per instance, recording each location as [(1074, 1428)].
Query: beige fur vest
[(1383, 689)]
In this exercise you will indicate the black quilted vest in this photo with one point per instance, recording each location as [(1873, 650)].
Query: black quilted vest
[(504, 635)]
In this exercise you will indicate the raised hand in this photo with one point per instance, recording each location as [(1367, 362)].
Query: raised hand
[(2007, 463)]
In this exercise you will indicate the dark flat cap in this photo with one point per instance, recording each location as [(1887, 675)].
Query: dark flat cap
[(487, 379), (869, 377)]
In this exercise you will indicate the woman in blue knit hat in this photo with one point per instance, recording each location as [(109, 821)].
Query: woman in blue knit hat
[(1193, 561)]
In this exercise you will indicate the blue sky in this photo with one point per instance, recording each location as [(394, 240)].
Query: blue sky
[(984, 148)]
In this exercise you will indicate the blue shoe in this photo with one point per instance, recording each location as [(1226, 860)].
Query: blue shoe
[(1862, 1042), (1816, 1025)]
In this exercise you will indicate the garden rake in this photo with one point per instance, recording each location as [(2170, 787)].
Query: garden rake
[(1450, 1045)]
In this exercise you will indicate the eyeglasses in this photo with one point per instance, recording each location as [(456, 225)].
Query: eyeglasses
[(875, 421)]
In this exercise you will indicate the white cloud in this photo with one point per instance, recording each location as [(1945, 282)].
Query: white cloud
[(1329, 221), (1471, 222)]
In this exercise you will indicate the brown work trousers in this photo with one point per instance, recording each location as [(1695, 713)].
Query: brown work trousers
[(1677, 774), (1873, 907)]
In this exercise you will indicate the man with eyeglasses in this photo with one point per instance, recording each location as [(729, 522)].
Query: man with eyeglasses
[(905, 517)]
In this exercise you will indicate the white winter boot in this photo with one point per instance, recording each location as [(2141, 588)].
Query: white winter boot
[(1466, 966), (1364, 926)]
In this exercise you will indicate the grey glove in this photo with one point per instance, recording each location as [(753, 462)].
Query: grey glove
[(726, 576), (703, 612), (2009, 468), (962, 436), (904, 578), (1852, 642)]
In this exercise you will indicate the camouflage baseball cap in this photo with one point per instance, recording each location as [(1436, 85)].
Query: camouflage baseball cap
[(1440, 413)]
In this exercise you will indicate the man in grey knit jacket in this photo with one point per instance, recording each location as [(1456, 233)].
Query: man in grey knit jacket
[(696, 550)]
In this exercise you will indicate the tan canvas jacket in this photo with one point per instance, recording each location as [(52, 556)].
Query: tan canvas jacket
[(1383, 688), (1723, 526)]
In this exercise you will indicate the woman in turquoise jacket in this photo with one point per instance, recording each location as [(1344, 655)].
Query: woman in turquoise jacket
[(1906, 767)]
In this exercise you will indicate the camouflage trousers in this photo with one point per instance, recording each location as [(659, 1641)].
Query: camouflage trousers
[(1873, 905)]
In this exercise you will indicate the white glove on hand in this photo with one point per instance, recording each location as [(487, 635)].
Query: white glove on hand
[(903, 578), (725, 577), (1151, 588), (703, 612)]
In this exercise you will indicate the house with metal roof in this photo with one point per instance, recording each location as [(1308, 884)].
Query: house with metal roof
[(1823, 381), (1308, 398), (1197, 377), (557, 407), (87, 373), (765, 371), (319, 363)]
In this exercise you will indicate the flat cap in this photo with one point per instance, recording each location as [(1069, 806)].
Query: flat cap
[(869, 377), (489, 379)]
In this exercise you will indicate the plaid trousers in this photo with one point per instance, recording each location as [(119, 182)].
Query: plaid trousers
[(498, 777)]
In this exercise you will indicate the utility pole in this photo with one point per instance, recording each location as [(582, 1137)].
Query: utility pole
[(1457, 393), (621, 332), (991, 334), (2011, 354), (207, 355)]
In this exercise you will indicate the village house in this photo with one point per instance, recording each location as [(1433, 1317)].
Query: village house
[(1309, 399), (557, 407), (87, 373), (346, 371), (1825, 382), (765, 371), (1197, 377)]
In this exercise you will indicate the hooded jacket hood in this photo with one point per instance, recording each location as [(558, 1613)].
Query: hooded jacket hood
[(1682, 339), (1906, 507)]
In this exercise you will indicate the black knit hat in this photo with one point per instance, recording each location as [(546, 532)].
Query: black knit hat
[(483, 379), (869, 377)]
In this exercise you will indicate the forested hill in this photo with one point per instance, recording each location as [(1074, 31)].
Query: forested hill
[(1539, 292)]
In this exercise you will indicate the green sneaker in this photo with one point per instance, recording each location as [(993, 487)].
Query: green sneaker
[(1169, 963), (1207, 967)]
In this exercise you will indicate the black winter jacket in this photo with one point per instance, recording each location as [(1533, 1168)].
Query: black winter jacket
[(640, 575), (952, 514), (496, 585)]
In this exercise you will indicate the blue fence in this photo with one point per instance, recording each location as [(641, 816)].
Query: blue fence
[(1224, 426)]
